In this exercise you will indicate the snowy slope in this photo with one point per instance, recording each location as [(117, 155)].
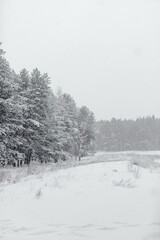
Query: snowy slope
[(108, 200)]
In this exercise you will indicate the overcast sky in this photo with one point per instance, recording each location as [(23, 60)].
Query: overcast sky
[(105, 53)]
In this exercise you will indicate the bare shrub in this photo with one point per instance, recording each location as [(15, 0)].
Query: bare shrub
[(2, 176), (126, 183), (134, 169), (38, 194), (5, 175), (144, 162)]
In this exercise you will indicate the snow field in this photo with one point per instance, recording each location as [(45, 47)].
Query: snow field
[(108, 200)]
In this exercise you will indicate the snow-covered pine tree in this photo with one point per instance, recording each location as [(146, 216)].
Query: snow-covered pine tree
[(55, 132), (67, 123), (5, 93), (34, 120), (63, 137), (10, 115), (86, 126), (37, 120)]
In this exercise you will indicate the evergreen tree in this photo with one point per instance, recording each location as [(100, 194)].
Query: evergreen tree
[(36, 123), (67, 123), (37, 120), (10, 114), (86, 124), (122, 135)]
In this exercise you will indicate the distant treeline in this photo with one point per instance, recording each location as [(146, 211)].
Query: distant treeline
[(125, 135), (36, 124)]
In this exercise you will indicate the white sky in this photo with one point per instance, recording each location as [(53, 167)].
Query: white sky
[(105, 53)]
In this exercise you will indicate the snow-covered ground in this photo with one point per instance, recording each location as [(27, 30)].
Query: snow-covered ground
[(106, 200)]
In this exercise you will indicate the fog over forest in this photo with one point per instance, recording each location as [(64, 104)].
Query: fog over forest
[(104, 53)]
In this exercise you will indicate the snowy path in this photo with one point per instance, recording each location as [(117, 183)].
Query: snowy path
[(97, 201)]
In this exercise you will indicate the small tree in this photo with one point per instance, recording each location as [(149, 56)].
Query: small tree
[(86, 126)]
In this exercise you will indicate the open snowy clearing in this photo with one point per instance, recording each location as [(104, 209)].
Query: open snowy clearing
[(106, 200)]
